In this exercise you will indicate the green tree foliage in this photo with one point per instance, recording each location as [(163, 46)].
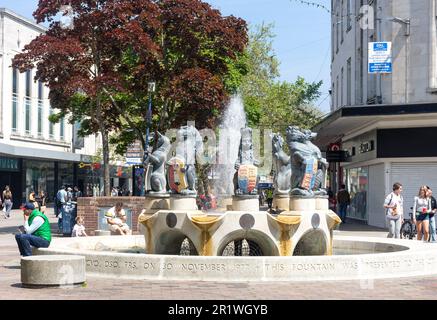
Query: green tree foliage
[(270, 103)]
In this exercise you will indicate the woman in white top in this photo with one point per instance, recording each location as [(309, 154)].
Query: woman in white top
[(394, 206), (421, 209)]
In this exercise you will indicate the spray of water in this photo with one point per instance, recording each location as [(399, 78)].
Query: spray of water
[(233, 120)]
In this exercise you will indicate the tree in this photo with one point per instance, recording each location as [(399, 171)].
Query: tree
[(193, 72), (98, 69), (268, 102)]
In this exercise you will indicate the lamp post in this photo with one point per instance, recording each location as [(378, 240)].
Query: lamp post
[(150, 89), (147, 168)]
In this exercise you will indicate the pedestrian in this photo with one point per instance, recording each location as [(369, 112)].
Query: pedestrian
[(432, 230), (114, 192), (42, 201), (116, 219), (76, 193), (35, 232), (79, 228), (61, 201), (33, 199), (7, 202), (421, 209), (394, 210), (269, 195), (343, 201)]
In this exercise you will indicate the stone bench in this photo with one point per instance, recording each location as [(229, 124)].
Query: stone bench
[(52, 270)]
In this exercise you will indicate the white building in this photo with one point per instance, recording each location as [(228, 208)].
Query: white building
[(385, 122), (34, 153)]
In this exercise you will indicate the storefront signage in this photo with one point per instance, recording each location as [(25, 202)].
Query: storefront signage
[(367, 146), (134, 153), (9, 164)]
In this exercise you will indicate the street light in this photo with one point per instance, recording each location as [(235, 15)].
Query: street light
[(150, 89), (406, 22)]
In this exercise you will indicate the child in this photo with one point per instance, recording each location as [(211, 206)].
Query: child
[(79, 228)]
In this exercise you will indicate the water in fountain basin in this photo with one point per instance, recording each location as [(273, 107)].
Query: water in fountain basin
[(233, 121)]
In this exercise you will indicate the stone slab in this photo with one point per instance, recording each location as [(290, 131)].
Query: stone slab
[(53, 270)]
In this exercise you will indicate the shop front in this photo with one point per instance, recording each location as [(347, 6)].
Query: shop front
[(384, 145), (10, 175)]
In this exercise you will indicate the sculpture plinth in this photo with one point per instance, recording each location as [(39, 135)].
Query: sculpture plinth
[(156, 201), (281, 202), (302, 204), (245, 203), (183, 202)]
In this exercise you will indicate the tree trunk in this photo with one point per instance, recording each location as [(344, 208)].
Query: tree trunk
[(105, 148), (106, 177)]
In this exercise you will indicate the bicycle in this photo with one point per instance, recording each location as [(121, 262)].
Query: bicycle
[(408, 228)]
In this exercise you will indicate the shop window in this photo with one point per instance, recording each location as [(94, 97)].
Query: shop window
[(357, 184)]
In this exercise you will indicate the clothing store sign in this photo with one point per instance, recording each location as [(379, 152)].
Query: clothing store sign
[(9, 164)]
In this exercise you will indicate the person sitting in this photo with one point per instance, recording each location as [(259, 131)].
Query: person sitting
[(116, 218), (35, 232), (79, 228)]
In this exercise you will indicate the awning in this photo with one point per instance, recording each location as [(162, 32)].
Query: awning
[(348, 119)]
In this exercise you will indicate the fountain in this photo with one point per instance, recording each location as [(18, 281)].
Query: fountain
[(244, 244), (234, 120)]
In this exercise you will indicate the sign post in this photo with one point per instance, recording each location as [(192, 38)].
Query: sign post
[(380, 59), (134, 154)]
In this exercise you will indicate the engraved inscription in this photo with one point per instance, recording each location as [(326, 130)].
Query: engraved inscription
[(203, 267), (149, 266), (92, 263), (130, 265), (112, 264)]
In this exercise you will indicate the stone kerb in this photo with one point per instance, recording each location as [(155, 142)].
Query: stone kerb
[(53, 270), (404, 259)]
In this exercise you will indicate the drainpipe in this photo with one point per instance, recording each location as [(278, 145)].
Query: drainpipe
[(432, 47)]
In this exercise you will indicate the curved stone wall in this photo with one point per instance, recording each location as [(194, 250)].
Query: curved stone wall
[(384, 258)]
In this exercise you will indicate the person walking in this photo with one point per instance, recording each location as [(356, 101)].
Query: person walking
[(76, 193), (42, 201), (269, 196), (421, 209), (394, 207), (35, 232), (7, 202), (61, 201), (343, 200), (432, 230)]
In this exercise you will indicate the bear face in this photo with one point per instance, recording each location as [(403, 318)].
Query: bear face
[(294, 134)]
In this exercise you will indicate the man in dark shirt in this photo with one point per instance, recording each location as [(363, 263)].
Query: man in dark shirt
[(432, 230), (343, 200)]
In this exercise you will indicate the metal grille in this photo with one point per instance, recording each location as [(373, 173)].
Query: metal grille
[(187, 248), (242, 247)]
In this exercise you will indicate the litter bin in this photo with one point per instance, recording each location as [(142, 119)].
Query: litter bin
[(69, 214)]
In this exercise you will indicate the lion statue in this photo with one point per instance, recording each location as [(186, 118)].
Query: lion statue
[(307, 165)]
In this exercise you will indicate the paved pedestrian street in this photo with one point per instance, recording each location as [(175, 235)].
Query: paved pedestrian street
[(103, 289)]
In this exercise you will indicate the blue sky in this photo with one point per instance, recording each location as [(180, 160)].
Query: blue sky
[(302, 42)]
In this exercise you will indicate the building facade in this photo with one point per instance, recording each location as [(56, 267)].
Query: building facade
[(35, 154), (383, 123)]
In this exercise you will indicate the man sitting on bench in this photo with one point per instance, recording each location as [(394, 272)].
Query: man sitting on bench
[(35, 232)]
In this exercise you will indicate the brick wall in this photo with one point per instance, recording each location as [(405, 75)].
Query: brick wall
[(88, 208)]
